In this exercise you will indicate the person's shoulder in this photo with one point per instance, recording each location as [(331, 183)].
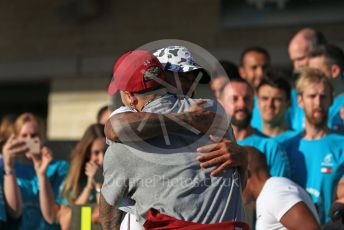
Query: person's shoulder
[(114, 146), (269, 193), (210, 104), (339, 98), (269, 145), (294, 138), (263, 139), (122, 109), (289, 133), (280, 182), (335, 135), (167, 103), (200, 99), (259, 134), (59, 167), (285, 136), (281, 186), (335, 138), (252, 139)]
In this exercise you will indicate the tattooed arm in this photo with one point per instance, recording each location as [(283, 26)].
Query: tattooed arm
[(224, 154), (137, 126), (109, 216)]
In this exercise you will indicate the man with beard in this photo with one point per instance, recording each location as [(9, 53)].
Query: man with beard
[(237, 99), (329, 59), (317, 154), (300, 46), (254, 63)]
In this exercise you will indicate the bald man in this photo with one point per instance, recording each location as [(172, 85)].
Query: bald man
[(301, 45), (329, 59), (280, 203), (303, 42)]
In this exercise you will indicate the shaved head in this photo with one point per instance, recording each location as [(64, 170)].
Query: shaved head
[(304, 42), (256, 160)]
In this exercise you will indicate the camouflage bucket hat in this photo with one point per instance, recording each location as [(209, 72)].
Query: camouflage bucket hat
[(179, 59), (176, 59)]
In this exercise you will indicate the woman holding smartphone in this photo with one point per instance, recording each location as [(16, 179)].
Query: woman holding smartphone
[(29, 186), (81, 185)]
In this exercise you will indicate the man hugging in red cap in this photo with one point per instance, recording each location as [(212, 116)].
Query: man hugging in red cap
[(162, 174)]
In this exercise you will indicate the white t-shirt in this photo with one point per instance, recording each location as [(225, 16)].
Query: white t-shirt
[(278, 195), (122, 109)]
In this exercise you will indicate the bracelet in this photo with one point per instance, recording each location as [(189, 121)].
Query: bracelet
[(9, 172), (98, 190)]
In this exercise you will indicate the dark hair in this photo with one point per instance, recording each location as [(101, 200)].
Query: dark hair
[(231, 69), (240, 80), (276, 79), (333, 55), (101, 111), (315, 38), (237, 80), (256, 161), (257, 49)]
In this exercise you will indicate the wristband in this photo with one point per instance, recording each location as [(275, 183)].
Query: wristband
[(9, 172)]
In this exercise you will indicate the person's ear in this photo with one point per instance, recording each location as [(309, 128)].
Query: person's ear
[(300, 101), (132, 99), (129, 99), (242, 72), (335, 71)]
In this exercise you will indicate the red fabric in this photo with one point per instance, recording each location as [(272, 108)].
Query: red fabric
[(159, 221), (130, 72)]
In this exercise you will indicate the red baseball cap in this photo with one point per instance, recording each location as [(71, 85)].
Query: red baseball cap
[(136, 71)]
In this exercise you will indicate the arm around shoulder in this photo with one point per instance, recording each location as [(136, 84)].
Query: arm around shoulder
[(299, 217)]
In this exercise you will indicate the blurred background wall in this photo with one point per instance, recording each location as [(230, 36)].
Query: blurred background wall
[(56, 57)]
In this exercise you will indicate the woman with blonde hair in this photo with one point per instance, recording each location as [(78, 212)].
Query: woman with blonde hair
[(31, 182)]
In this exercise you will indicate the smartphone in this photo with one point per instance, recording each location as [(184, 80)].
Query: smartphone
[(34, 145), (98, 177)]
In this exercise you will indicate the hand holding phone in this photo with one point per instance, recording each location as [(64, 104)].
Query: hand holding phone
[(34, 145), (98, 177)]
